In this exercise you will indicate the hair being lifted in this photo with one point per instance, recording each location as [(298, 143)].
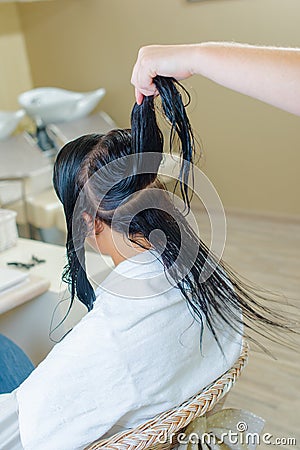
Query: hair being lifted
[(223, 295)]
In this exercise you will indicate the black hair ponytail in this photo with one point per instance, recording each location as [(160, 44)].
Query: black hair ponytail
[(147, 137)]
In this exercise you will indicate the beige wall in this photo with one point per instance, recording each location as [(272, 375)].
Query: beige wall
[(252, 150), (15, 73)]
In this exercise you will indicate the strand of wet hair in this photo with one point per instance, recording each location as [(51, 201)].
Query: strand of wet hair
[(147, 136)]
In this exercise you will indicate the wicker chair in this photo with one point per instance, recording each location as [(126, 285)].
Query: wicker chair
[(174, 421)]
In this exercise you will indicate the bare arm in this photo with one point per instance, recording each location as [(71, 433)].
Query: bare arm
[(270, 74)]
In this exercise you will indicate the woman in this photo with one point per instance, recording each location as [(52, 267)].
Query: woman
[(165, 323)]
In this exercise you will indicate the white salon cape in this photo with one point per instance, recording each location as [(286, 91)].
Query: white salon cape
[(136, 354)]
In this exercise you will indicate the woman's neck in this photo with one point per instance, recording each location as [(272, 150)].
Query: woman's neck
[(116, 245)]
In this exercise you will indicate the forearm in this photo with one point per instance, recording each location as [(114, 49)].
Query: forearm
[(267, 73)]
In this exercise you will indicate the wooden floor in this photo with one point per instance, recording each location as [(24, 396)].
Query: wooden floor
[(267, 252)]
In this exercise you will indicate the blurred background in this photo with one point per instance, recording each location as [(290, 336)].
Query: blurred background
[(251, 153), (252, 150)]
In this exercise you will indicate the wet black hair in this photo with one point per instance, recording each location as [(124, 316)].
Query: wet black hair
[(86, 161)]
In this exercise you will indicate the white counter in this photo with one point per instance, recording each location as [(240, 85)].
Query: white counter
[(26, 319), (55, 260), (22, 293)]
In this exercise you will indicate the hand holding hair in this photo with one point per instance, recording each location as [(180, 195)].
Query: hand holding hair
[(269, 74), (166, 60)]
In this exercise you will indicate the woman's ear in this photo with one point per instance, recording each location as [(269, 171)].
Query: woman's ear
[(98, 226)]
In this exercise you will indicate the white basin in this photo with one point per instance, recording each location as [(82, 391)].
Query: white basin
[(9, 121), (54, 105)]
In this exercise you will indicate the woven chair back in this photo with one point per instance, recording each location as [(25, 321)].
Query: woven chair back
[(160, 433)]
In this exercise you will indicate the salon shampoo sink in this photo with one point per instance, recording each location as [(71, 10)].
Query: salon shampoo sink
[(9, 121), (55, 105)]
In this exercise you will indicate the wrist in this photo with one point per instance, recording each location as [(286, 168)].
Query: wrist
[(204, 54), (197, 51)]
